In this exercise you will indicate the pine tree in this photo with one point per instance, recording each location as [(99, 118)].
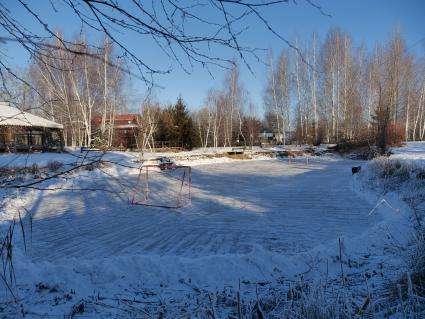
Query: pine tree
[(184, 131), (166, 129), (381, 121)]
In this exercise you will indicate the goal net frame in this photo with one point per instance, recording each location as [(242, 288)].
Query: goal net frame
[(145, 175)]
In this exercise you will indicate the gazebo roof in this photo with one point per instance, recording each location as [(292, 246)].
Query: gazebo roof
[(11, 116)]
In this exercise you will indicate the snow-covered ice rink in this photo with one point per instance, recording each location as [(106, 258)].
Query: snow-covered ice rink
[(254, 227), (281, 207)]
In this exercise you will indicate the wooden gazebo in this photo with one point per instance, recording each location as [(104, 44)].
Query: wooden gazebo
[(23, 131)]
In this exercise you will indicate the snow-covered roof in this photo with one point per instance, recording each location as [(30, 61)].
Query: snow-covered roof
[(11, 116), (126, 126)]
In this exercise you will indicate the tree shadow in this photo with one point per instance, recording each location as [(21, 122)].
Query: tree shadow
[(281, 207)]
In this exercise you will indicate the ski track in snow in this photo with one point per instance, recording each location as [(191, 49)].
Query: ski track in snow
[(285, 208)]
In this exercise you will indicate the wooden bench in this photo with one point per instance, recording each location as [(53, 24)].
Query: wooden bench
[(237, 150), (89, 149)]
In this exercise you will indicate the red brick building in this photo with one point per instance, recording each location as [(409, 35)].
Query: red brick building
[(125, 129)]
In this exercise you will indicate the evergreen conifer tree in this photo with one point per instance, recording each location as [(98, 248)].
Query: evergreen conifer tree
[(183, 125)]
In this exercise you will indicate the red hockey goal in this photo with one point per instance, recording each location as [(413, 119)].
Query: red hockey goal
[(168, 186)]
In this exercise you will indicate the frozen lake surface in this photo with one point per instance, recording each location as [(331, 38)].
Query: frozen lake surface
[(284, 208)]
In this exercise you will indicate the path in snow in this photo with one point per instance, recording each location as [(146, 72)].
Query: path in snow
[(281, 207)]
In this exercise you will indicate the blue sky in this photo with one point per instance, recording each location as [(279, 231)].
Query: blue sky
[(367, 21)]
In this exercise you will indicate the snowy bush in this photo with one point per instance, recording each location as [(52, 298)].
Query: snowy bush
[(417, 264), (7, 172), (389, 174), (406, 177)]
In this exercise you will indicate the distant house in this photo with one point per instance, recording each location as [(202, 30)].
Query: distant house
[(23, 131), (125, 129), (273, 137), (266, 136)]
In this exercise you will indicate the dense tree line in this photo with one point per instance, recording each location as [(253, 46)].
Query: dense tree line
[(327, 92), (340, 92)]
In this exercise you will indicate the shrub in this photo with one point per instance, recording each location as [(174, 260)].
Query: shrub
[(357, 149), (6, 172), (395, 135), (90, 167), (391, 172), (95, 165), (99, 143), (417, 264), (34, 169), (409, 288), (238, 156), (54, 166)]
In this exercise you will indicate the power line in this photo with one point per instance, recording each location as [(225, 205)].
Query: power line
[(416, 43)]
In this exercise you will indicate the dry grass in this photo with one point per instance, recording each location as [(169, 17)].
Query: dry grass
[(54, 166), (395, 174), (7, 238), (12, 173), (406, 294), (242, 156), (393, 168), (411, 285)]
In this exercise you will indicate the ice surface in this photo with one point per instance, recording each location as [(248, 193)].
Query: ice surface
[(281, 207), (249, 221)]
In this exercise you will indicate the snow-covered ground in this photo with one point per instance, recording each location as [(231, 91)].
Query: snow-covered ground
[(279, 207), (262, 224), (413, 151)]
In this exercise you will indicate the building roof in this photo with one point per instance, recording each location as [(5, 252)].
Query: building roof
[(116, 117), (11, 116)]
